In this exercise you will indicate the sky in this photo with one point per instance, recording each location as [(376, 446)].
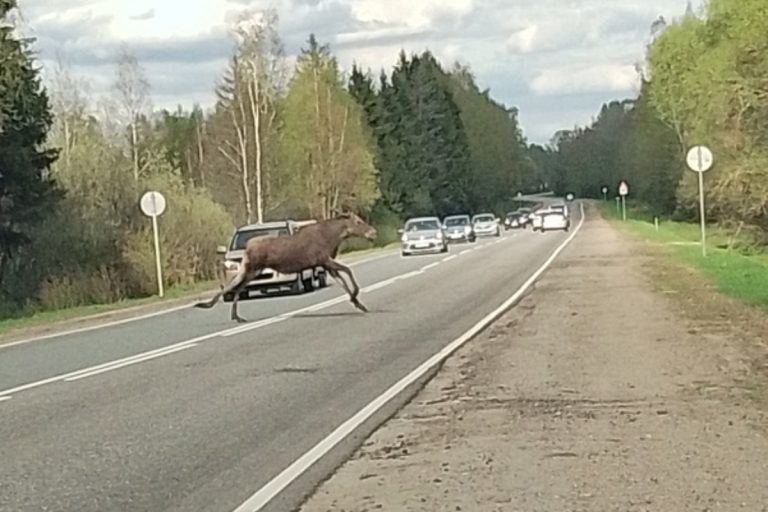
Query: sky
[(557, 61)]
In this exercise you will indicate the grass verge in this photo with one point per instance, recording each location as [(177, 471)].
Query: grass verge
[(732, 273), (45, 318)]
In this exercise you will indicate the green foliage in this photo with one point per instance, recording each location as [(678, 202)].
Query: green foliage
[(26, 190)]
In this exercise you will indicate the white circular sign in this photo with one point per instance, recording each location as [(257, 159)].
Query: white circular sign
[(699, 159), (569, 196), (604, 189), (623, 188), (152, 204)]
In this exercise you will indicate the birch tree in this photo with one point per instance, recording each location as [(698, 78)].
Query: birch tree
[(133, 101), (327, 145), (248, 95)]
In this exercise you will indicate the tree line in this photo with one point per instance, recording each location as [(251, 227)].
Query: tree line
[(703, 82), (280, 142)]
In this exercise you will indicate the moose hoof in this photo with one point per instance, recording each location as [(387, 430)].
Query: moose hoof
[(359, 305), (240, 320)]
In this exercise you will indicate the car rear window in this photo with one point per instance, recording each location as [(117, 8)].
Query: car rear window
[(422, 225), (485, 218), (241, 237), (456, 221)]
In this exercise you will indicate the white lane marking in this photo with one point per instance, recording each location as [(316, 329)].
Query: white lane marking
[(263, 496), (449, 258), (128, 363), (4, 398), (465, 251), (182, 345), (430, 266), (115, 323)]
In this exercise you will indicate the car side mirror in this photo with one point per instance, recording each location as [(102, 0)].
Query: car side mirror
[(400, 231), (221, 249)]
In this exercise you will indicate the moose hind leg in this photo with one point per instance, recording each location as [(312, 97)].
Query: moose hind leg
[(249, 276), (236, 282)]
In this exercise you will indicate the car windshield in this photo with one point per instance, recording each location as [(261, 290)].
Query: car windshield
[(485, 218), (241, 237), (422, 225), (456, 221)]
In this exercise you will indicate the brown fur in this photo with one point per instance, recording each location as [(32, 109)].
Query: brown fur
[(315, 245)]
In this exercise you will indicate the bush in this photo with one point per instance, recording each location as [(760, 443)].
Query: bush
[(190, 229)]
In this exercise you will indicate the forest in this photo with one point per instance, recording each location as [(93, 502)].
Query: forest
[(298, 142), (704, 81)]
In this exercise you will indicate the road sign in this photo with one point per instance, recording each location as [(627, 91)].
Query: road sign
[(604, 190), (152, 204), (623, 188), (519, 194), (623, 191), (699, 159), (569, 196)]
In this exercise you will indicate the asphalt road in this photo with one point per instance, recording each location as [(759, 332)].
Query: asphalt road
[(189, 411)]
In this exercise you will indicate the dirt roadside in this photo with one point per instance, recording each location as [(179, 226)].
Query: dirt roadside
[(601, 391)]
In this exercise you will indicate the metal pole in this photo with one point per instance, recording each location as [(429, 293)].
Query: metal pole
[(158, 266), (618, 206), (701, 214), (623, 208)]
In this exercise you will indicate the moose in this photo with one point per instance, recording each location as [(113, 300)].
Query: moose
[(315, 245)]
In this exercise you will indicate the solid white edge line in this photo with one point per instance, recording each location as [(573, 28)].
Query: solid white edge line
[(450, 258), (263, 496), (430, 266), (115, 323), (4, 398), (128, 363)]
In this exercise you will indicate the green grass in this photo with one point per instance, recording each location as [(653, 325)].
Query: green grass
[(739, 275), (38, 318)]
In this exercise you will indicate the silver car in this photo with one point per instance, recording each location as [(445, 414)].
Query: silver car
[(268, 280), (458, 228), (486, 224), (422, 235)]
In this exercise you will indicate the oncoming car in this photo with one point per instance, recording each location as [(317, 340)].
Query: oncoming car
[(268, 280), (458, 228), (486, 224), (422, 234)]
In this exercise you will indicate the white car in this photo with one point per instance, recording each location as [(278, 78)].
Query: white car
[(554, 220)]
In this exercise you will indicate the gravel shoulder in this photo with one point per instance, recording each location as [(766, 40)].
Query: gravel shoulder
[(622, 382)]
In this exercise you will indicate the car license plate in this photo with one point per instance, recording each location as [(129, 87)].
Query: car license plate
[(421, 245)]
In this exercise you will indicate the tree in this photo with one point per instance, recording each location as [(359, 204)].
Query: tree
[(327, 146), (247, 99), (27, 190), (133, 101)]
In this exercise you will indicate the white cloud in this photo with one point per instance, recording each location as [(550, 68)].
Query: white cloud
[(554, 59), (614, 78)]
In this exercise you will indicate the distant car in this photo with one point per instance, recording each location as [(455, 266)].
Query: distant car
[(486, 224), (422, 235), (560, 207), (459, 228), (513, 220), (525, 216), (536, 217), (554, 219), (268, 280)]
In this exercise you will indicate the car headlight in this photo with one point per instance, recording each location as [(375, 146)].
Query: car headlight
[(439, 235), (467, 229), (404, 238), (232, 265)]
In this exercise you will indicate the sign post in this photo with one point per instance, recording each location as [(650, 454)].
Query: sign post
[(153, 205), (623, 191), (700, 160), (604, 190)]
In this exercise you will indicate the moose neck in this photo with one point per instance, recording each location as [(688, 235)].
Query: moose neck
[(334, 232)]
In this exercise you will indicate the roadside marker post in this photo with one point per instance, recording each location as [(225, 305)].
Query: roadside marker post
[(604, 190), (623, 191), (153, 205), (700, 160)]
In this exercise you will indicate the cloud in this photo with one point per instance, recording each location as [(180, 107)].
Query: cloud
[(557, 60), (146, 15)]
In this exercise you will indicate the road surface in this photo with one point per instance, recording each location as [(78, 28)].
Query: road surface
[(189, 411)]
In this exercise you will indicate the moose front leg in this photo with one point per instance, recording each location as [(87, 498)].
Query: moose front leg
[(335, 268)]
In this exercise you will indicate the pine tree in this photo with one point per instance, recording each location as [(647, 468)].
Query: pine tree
[(26, 190)]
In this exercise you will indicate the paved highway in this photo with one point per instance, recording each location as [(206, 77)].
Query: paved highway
[(189, 411)]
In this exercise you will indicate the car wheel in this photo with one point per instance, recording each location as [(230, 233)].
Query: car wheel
[(309, 284), (404, 254), (445, 248), (298, 286), (322, 281)]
